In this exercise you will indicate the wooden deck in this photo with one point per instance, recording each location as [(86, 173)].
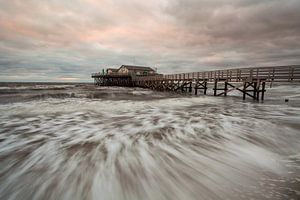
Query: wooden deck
[(249, 81)]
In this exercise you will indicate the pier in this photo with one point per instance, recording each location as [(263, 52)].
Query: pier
[(251, 82)]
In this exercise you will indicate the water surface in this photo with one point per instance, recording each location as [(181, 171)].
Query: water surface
[(85, 142)]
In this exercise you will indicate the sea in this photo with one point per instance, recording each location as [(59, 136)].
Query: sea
[(78, 141)]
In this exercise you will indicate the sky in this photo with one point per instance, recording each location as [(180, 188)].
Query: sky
[(67, 40)]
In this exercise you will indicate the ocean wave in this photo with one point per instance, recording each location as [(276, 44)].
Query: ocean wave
[(170, 148), (87, 142)]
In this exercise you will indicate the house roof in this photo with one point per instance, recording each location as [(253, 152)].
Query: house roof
[(142, 68), (112, 69)]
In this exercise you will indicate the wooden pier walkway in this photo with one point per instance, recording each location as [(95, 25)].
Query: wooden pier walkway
[(249, 81)]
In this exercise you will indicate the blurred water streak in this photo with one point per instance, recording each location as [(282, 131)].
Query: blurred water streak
[(82, 142)]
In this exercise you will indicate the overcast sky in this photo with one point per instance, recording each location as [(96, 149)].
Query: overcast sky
[(67, 40)]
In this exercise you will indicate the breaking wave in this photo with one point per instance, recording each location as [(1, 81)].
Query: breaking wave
[(113, 147)]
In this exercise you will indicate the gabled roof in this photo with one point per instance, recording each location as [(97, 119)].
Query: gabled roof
[(112, 69), (132, 67)]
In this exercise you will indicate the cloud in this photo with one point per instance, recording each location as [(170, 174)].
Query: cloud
[(47, 40)]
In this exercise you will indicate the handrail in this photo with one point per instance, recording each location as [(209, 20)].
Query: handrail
[(269, 74)]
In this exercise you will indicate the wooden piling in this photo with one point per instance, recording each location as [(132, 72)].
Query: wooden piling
[(255, 90), (263, 90), (215, 87), (244, 90), (225, 88)]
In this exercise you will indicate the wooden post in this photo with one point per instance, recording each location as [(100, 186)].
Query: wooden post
[(244, 90), (225, 89), (255, 90), (190, 88), (215, 87), (205, 87), (263, 90), (196, 87)]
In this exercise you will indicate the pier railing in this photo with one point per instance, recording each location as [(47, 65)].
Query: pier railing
[(268, 74)]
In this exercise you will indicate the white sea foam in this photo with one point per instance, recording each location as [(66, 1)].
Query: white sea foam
[(157, 148)]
